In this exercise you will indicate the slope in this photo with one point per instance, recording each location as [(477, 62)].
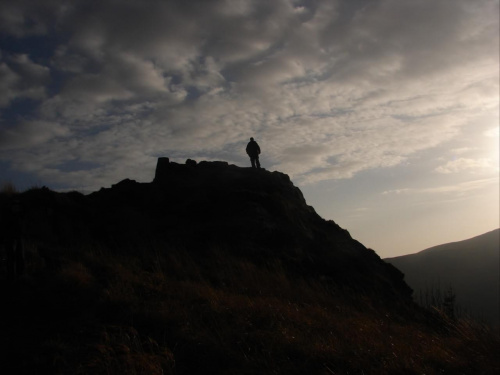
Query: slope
[(210, 269), (470, 267)]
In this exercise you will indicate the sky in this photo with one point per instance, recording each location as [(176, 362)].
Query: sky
[(385, 113)]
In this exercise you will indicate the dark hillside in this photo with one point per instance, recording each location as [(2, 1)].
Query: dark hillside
[(212, 269), (254, 214)]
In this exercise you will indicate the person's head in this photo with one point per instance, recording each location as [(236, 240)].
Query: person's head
[(251, 139)]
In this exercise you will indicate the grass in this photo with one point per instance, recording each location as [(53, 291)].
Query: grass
[(163, 311), (8, 188)]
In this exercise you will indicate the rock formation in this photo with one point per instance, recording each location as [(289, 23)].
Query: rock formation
[(253, 214)]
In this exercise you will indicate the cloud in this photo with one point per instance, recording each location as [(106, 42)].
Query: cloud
[(21, 78), (26, 18), (456, 189), (329, 89), (464, 164), (492, 132), (462, 150), (29, 134), (8, 81)]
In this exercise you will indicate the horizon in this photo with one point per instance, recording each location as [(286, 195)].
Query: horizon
[(384, 113)]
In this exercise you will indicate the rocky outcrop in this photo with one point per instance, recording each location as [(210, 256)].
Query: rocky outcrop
[(253, 214)]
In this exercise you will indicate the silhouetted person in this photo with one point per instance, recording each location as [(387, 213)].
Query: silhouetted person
[(253, 150)]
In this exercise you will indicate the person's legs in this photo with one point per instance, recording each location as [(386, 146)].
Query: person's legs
[(257, 162), (252, 160)]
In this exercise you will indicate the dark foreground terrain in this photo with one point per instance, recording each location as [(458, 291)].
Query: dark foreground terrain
[(211, 269)]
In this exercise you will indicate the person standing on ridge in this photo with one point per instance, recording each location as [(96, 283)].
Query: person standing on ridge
[(253, 151)]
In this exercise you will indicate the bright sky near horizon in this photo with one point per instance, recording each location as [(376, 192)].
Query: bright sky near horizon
[(385, 113)]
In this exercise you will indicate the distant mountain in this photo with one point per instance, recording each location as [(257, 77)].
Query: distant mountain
[(471, 267)]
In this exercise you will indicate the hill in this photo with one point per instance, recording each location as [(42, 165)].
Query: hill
[(470, 267), (212, 269)]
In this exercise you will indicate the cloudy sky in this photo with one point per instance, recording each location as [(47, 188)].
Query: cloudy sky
[(385, 113)]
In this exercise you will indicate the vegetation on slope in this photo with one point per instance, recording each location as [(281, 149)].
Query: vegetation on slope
[(163, 311)]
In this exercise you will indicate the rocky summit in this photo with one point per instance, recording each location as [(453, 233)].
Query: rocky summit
[(249, 213)]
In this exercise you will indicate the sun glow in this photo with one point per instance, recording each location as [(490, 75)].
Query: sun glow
[(493, 146)]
